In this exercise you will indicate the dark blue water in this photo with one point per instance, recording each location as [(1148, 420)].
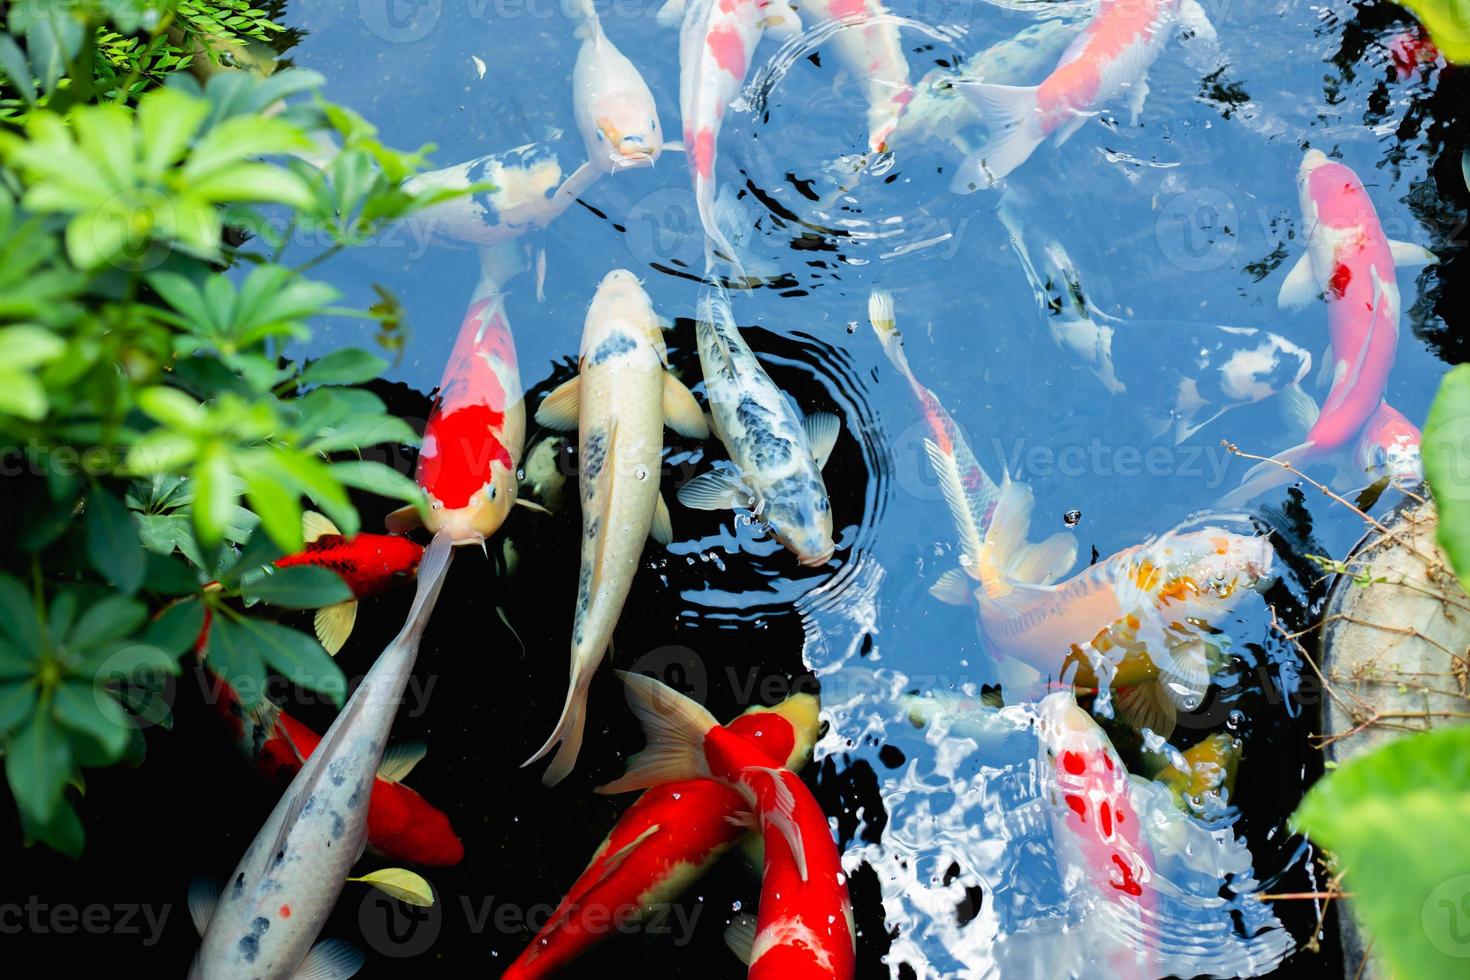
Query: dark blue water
[(1188, 219)]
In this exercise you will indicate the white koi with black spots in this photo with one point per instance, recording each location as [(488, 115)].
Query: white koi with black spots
[(619, 402), (780, 456)]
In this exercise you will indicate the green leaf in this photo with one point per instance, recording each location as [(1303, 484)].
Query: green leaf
[(349, 366), (24, 347), (259, 551), (22, 395), (112, 541), (278, 507), (235, 656), (215, 494), (297, 657), (298, 587), (312, 477), (1399, 820), (168, 576), (37, 766), (18, 616), (376, 478), (95, 712), (177, 627), (110, 618), (1446, 450), (63, 831), (171, 407), (140, 663), (17, 701)]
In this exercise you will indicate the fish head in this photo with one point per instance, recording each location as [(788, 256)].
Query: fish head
[(398, 557), (1209, 570), (938, 110), (1390, 445), (628, 135), (481, 516), (803, 524), (786, 731), (620, 312)]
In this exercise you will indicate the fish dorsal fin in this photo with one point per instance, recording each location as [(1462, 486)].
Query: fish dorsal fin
[(782, 815), (953, 587), (330, 959), (559, 410), (314, 525), (681, 412), (333, 624), (822, 429), (675, 727), (740, 937), (1006, 535), (203, 897), (399, 760)]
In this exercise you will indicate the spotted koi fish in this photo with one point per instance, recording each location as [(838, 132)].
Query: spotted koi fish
[(619, 403), (871, 49), (664, 842), (804, 929), (717, 39), (477, 428), (525, 197), (1108, 60), (779, 455), (1350, 263)]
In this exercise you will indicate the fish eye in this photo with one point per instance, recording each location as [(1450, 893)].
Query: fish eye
[(600, 137), (494, 490)]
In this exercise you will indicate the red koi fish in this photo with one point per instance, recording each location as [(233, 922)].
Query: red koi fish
[(665, 841), (477, 429), (1411, 50), (1389, 446), (805, 928), (402, 825), (1350, 263), (1108, 60)]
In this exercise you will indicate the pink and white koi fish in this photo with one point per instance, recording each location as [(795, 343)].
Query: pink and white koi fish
[(872, 51), (1389, 445), (717, 39), (1350, 263), (1110, 59), (805, 929)]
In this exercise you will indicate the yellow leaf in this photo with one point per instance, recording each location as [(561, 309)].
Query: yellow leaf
[(402, 884)]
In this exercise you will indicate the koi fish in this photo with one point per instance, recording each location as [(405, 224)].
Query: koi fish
[(1410, 50), (620, 401), (477, 428), (1350, 263), (870, 47), (615, 111), (401, 824), (1390, 444), (779, 455), (805, 927), (717, 39), (1203, 372), (939, 110), (665, 841), (1202, 777), (1108, 60), (277, 899), (525, 181)]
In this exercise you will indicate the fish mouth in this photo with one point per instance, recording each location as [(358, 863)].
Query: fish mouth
[(815, 559), (1313, 159)]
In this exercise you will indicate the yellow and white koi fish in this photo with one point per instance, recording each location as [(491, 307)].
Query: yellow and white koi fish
[(619, 402)]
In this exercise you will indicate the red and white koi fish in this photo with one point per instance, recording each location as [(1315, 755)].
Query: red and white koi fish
[(805, 926), (717, 39), (664, 842), (615, 111), (871, 49), (1350, 263), (620, 401), (1108, 60), (477, 429), (401, 824), (1410, 50)]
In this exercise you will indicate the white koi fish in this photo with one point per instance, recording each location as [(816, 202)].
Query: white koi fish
[(1110, 59), (620, 401), (780, 456), (274, 904), (717, 39), (525, 198), (870, 48)]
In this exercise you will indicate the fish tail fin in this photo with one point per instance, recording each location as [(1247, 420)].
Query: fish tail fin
[(589, 25), (1271, 473), (675, 727), (499, 264), (715, 242), (1012, 114), (740, 937), (729, 219), (884, 319), (567, 735)]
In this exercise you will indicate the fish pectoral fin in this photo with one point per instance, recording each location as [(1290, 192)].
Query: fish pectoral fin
[(1326, 368), (1299, 288), (782, 816), (662, 529), (314, 525), (670, 14), (681, 412), (822, 429), (1137, 95), (675, 146), (953, 587), (203, 897), (714, 491), (333, 624), (1298, 410), (740, 937), (674, 726), (1146, 706), (1192, 18), (399, 760), (559, 410), (1044, 563), (403, 520), (330, 959), (1409, 255), (580, 179)]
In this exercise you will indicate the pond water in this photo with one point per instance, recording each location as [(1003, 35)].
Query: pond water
[(1174, 226)]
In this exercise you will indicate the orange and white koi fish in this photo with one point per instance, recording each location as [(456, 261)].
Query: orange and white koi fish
[(477, 429), (620, 401), (804, 930), (664, 842), (870, 47), (1108, 60), (717, 39), (1350, 263)]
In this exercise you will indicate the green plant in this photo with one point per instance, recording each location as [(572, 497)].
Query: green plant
[(1448, 23), (162, 437), (1446, 450)]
